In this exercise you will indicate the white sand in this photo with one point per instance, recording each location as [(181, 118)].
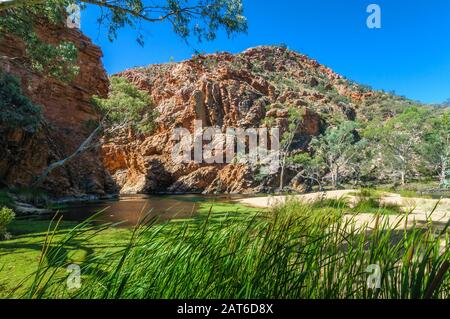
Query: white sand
[(419, 208)]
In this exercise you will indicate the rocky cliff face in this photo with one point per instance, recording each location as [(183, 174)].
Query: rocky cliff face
[(257, 88), (67, 112), (224, 90)]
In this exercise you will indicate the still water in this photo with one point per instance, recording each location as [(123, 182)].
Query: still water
[(130, 210)]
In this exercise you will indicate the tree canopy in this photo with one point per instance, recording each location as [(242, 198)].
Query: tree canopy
[(127, 107), (17, 111), (199, 18), (337, 149)]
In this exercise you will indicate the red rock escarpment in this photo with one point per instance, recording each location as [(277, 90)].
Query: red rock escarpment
[(223, 90), (67, 111)]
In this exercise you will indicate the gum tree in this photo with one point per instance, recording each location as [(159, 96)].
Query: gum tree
[(126, 108), (398, 141), (201, 19), (287, 140), (436, 146), (337, 149)]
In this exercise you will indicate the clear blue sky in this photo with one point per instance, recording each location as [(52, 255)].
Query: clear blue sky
[(409, 54)]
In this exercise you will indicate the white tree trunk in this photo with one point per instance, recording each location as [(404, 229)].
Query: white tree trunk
[(443, 173), (283, 165), (83, 147), (402, 178)]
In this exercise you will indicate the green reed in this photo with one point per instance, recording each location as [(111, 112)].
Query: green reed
[(291, 251)]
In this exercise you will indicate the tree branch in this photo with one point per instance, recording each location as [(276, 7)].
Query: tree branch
[(141, 14), (83, 147), (11, 4)]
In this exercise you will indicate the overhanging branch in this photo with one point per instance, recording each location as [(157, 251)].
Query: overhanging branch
[(165, 12)]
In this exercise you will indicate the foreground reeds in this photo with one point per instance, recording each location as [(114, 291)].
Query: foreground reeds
[(292, 251)]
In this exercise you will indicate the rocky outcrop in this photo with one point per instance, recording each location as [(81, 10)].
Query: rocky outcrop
[(227, 91), (67, 113), (257, 88)]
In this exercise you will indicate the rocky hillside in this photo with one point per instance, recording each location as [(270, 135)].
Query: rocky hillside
[(67, 111), (251, 89), (257, 88)]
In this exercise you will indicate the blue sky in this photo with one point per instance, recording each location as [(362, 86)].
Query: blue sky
[(410, 54)]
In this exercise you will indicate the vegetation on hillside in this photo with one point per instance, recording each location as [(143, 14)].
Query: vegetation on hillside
[(127, 107), (200, 19), (411, 146), (17, 111), (368, 137)]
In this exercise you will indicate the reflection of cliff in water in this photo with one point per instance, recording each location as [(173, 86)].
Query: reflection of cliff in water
[(130, 209)]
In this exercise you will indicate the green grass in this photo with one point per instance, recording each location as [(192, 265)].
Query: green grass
[(368, 201), (370, 205), (405, 192), (20, 256), (339, 203), (422, 189), (370, 193), (292, 251)]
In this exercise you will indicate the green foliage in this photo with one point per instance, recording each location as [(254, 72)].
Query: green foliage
[(34, 196), (127, 106), (58, 60), (201, 19), (436, 146), (339, 203), (338, 149), (6, 217), (293, 251), (17, 111), (370, 192), (312, 167), (382, 106), (269, 121), (6, 199), (408, 193), (294, 121), (399, 142)]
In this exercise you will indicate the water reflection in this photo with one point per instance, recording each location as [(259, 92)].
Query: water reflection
[(129, 210)]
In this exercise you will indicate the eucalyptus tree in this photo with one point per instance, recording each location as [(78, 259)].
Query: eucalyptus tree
[(197, 18), (398, 141), (295, 120), (201, 19), (125, 108), (337, 149), (436, 146)]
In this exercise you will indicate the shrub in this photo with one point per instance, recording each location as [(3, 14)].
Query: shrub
[(371, 205), (339, 203), (5, 199), (34, 196), (16, 109), (6, 217), (126, 104)]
